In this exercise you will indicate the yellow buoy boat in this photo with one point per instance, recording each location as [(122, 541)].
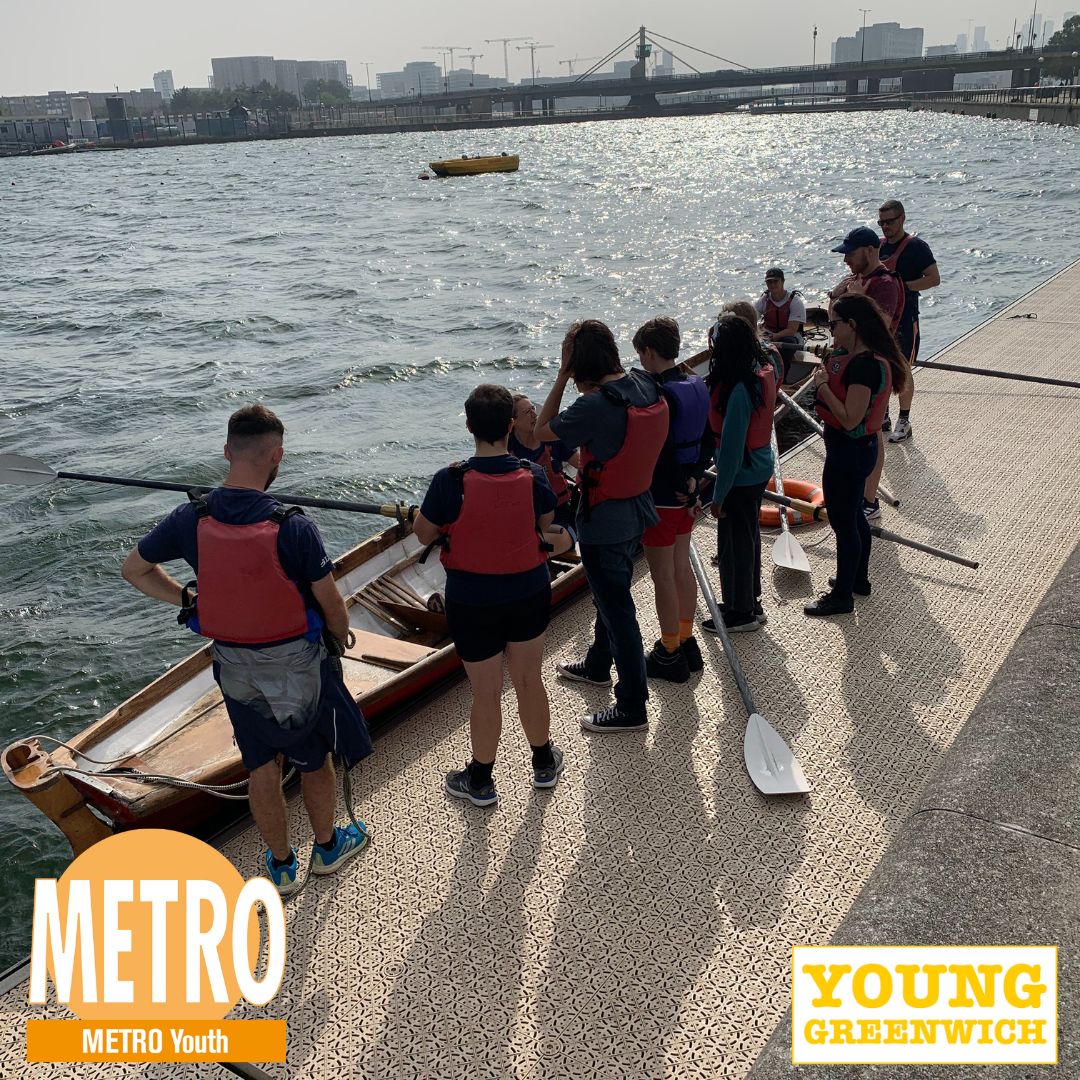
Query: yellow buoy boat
[(470, 166)]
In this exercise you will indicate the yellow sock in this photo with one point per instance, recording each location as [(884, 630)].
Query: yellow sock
[(670, 641), (686, 629)]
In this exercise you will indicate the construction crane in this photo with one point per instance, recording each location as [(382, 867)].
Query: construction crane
[(506, 57), (532, 47), (577, 60), (451, 49)]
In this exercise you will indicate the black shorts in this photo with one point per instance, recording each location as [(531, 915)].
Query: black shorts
[(907, 339), (483, 631)]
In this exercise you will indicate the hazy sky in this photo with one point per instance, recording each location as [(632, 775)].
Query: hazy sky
[(60, 44)]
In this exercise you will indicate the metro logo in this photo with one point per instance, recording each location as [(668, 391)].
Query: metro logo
[(154, 962)]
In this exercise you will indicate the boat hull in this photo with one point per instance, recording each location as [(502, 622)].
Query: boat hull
[(474, 166)]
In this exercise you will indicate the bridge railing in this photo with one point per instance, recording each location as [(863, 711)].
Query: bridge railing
[(1064, 94)]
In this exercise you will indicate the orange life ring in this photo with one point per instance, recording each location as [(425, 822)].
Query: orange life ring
[(797, 489)]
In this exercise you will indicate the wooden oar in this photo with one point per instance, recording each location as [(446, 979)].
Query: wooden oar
[(16, 469), (768, 759), (787, 551), (818, 513)]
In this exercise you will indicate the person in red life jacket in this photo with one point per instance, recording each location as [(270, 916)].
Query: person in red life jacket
[(743, 379), (853, 390), (266, 596), (679, 469), (550, 456), (913, 260), (783, 315), (869, 277), (492, 518), (620, 422)]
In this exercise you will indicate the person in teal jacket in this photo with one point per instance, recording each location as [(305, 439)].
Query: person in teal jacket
[(743, 379)]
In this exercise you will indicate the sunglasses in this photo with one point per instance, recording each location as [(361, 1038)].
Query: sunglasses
[(834, 323), (887, 221)]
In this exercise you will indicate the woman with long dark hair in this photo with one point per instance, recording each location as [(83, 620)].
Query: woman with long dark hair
[(853, 388), (742, 381)]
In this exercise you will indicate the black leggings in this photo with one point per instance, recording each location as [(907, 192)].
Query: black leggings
[(738, 535), (848, 462)]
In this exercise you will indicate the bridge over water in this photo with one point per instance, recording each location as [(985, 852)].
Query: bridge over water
[(916, 74)]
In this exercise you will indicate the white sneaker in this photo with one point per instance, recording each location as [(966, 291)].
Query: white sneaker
[(901, 430), (872, 510)]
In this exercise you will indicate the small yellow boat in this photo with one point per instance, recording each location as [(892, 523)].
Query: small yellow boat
[(471, 166)]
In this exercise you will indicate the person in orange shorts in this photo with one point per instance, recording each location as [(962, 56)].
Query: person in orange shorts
[(683, 460)]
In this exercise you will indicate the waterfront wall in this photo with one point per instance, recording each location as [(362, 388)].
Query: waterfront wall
[(1066, 114)]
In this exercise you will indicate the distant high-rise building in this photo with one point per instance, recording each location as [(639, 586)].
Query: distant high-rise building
[(423, 77), (163, 84), (230, 71), (1047, 31), (665, 64), (979, 42), (883, 41), (961, 43), (322, 71), (941, 50)]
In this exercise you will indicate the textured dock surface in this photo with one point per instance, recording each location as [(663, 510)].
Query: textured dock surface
[(637, 921)]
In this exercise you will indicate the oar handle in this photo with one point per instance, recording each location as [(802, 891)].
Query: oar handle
[(884, 534), (721, 630), (818, 513), (392, 510)]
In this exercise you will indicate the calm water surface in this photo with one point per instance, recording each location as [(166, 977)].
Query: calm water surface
[(144, 296)]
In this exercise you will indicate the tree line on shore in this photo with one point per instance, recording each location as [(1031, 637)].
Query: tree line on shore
[(264, 96)]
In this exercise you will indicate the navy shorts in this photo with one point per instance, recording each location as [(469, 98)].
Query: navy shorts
[(339, 728), (481, 631)]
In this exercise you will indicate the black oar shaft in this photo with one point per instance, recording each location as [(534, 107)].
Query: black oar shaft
[(387, 510), (930, 365), (819, 513)]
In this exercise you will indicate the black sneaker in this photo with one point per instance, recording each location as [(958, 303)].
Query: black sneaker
[(734, 624), (829, 604), (692, 651), (672, 666), (579, 672), (613, 718), (886, 424), (860, 588), (459, 784)]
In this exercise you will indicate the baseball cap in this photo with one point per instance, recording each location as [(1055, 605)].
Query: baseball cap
[(857, 238)]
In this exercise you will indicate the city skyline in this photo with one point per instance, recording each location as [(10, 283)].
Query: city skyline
[(378, 42)]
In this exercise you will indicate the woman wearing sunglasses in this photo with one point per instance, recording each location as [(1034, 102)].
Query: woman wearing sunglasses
[(853, 390)]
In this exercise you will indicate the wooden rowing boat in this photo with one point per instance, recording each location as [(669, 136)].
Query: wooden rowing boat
[(472, 166), (177, 726)]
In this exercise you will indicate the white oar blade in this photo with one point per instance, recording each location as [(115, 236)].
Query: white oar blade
[(16, 469), (769, 761), (787, 553)]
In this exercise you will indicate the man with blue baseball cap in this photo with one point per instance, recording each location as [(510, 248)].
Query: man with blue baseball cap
[(868, 276)]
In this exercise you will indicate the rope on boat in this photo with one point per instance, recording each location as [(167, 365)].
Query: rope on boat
[(222, 791)]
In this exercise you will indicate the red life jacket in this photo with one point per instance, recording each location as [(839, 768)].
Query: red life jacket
[(629, 473), (759, 433), (894, 317), (776, 317), (495, 532), (894, 258), (244, 594), (554, 477), (836, 365)]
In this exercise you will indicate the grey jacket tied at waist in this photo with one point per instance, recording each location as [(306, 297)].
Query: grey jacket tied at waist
[(282, 683)]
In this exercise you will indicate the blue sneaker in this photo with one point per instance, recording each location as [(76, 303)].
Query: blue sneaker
[(348, 842), (283, 877)]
